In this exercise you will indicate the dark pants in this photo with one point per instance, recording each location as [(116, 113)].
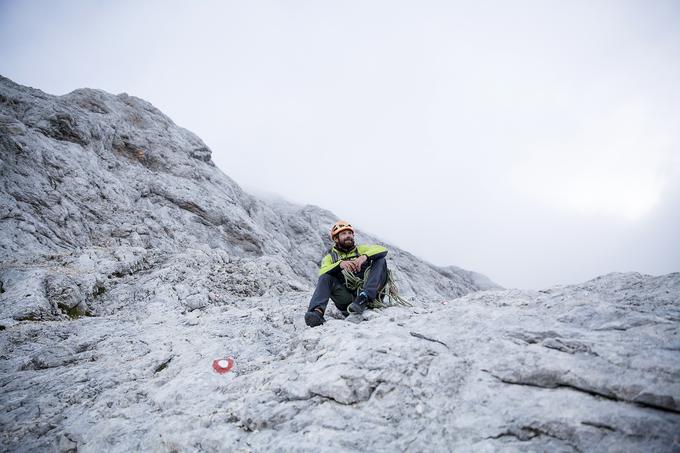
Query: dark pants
[(330, 286)]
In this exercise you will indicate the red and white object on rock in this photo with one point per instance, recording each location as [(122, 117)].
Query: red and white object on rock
[(222, 366)]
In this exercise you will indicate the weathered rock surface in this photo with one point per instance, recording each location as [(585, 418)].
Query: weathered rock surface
[(96, 187), (130, 263)]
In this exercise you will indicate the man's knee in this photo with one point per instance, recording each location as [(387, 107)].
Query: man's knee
[(379, 263), (324, 287), (327, 280), (328, 277)]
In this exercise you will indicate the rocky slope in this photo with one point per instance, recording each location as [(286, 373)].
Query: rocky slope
[(129, 263), (96, 187)]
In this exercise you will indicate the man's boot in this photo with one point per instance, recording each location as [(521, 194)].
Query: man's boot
[(359, 304), (314, 317)]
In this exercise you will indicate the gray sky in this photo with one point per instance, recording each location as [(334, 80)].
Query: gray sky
[(537, 142)]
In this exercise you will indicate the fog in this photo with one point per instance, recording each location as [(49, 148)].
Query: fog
[(535, 142)]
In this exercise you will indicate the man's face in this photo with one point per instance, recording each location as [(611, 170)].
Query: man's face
[(345, 239)]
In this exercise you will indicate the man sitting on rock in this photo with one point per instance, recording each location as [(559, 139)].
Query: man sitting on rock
[(366, 263)]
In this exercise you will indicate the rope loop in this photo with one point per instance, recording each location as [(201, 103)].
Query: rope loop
[(389, 291)]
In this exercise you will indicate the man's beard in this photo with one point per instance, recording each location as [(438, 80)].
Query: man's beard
[(347, 244)]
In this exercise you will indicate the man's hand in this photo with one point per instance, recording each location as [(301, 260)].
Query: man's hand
[(359, 261), (347, 266), (354, 265)]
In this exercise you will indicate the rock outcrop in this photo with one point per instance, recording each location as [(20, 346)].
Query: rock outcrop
[(130, 262)]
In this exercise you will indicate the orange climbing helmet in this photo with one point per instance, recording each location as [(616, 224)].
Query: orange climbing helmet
[(340, 225)]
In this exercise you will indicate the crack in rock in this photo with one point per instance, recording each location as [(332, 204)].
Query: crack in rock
[(549, 380), (163, 365), (423, 337), (526, 433), (598, 425)]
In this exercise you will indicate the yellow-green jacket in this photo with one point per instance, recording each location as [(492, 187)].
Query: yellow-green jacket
[(331, 262)]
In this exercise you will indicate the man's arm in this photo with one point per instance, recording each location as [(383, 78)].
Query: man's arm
[(367, 253), (372, 251), (328, 266)]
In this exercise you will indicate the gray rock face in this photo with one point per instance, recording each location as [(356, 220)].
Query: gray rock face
[(97, 187), (130, 263)]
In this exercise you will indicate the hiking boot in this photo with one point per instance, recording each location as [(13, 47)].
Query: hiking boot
[(314, 318), (359, 304)]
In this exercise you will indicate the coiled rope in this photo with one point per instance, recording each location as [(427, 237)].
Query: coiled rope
[(390, 290)]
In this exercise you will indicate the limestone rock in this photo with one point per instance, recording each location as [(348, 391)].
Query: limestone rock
[(129, 263)]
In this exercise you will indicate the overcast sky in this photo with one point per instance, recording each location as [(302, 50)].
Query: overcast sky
[(537, 142)]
